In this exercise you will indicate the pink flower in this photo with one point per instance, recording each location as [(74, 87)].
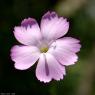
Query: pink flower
[(44, 45)]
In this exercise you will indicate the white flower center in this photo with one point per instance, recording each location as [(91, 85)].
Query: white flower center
[(43, 46)]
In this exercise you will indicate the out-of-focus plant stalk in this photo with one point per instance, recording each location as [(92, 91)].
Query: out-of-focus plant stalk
[(88, 73), (68, 7)]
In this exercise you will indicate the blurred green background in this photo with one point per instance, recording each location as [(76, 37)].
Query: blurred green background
[(80, 78)]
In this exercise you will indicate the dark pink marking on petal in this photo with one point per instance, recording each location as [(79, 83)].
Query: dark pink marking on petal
[(53, 14), (28, 22), (46, 67), (47, 16)]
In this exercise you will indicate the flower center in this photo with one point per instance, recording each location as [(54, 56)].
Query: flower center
[(44, 49)]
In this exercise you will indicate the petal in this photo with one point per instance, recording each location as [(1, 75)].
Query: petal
[(56, 71), (28, 22), (48, 68), (69, 43), (42, 70), (28, 33), (65, 50), (24, 56), (53, 27)]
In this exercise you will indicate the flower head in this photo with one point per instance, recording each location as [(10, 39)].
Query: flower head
[(43, 44)]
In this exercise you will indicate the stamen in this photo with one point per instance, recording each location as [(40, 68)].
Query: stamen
[(44, 49)]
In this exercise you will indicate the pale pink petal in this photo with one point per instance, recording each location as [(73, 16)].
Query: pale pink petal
[(65, 50), (56, 71), (69, 43), (48, 68), (53, 27), (28, 33), (42, 70), (24, 56)]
